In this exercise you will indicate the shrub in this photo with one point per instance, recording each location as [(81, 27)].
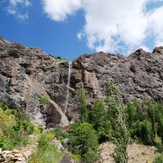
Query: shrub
[(117, 118), (14, 128), (4, 105), (43, 100), (159, 159), (145, 122), (46, 151), (74, 157), (60, 135), (83, 106), (83, 141), (98, 118)]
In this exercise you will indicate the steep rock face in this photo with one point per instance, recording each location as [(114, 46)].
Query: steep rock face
[(25, 75), (138, 76), (28, 73)]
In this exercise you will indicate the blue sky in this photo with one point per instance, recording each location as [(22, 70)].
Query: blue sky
[(69, 28)]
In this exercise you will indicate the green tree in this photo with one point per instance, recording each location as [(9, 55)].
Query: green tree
[(97, 114), (119, 133), (146, 132), (159, 159), (98, 118), (83, 141), (83, 106), (131, 118)]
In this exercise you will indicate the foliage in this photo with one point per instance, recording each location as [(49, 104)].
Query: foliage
[(83, 141), (98, 118), (59, 59), (14, 127), (46, 151), (43, 100), (142, 120), (60, 134), (145, 122), (83, 106), (96, 115), (116, 115), (159, 159), (74, 157), (112, 120), (4, 105)]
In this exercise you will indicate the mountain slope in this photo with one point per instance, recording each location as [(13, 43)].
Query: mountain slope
[(29, 77)]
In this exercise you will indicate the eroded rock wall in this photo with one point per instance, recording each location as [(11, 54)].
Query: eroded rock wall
[(27, 73)]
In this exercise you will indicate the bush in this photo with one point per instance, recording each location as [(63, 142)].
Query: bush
[(83, 106), (46, 151), (83, 141), (145, 122), (14, 128), (98, 118), (116, 115), (159, 159), (4, 105), (43, 100)]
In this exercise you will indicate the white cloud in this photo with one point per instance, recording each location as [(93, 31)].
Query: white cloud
[(59, 9), (22, 2), (79, 35), (113, 25), (156, 26), (145, 48), (16, 8)]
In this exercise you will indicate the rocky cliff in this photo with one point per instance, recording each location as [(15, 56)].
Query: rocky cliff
[(26, 74)]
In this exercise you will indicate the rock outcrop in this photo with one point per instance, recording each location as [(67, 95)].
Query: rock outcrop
[(17, 156), (29, 73)]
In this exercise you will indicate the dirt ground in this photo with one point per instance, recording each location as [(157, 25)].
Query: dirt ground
[(138, 153)]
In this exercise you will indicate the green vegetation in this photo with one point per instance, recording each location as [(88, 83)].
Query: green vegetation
[(43, 100), (83, 106), (99, 119), (107, 120), (159, 159), (59, 59), (112, 120), (119, 132), (83, 141), (46, 151), (145, 122), (14, 128)]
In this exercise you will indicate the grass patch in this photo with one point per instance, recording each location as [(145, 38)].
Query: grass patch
[(43, 100), (47, 151), (14, 128), (159, 159)]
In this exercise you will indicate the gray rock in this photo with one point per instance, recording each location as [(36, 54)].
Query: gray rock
[(27, 73)]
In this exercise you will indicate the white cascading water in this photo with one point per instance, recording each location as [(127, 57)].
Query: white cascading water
[(68, 86)]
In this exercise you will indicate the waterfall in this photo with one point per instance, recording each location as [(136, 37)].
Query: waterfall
[(68, 85)]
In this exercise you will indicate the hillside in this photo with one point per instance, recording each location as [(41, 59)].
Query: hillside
[(99, 107), (29, 73)]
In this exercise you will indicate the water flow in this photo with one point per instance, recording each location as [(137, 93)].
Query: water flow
[(68, 85)]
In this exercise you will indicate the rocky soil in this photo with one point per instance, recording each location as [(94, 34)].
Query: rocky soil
[(27, 73), (137, 153), (20, 155), (17, 156)]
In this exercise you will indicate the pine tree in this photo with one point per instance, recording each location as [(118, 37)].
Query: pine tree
[(83, 106), (120, 133)]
